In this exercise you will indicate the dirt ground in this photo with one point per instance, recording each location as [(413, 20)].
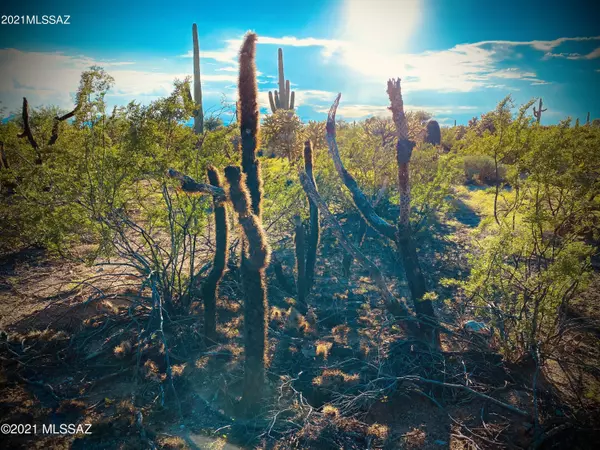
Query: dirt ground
[(343, 377)]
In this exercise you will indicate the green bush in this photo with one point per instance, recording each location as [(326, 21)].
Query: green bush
[(481, 169)]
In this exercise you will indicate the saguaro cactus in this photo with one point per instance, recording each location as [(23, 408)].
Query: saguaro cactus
[(587, 120), (198, 112), (434, 134), (255, 260), (209, 288), (284, 98), (255, 302), (538, 113)]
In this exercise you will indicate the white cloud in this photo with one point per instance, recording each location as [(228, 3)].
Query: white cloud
[(462, 68), (378, 52), (360, 111), (592, 55), (544, 46), (53, 78)]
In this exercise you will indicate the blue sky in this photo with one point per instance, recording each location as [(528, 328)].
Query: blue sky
[(457, 59)]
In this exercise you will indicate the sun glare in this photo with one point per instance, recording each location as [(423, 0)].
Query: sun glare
[(375, 32), (382, 25)]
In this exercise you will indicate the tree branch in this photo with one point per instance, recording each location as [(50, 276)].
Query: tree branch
[(188, 184), (419, 379), (27, 130), (360, 199), (58, 120)]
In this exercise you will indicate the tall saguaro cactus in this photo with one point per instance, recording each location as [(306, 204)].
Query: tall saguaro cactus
[(198, 112), (284, 98), (253, 277), (538, 113)]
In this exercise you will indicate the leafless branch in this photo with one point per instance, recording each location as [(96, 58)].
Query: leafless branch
[(58, 120), (27, 130), (360, 199), (188, 184)]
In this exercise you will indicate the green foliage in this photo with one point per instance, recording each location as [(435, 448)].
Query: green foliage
[(533, 261), (480, 169), (102, 183), (282, 134), (432, 175)]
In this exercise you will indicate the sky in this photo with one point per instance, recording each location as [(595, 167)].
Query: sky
[(457, 58)]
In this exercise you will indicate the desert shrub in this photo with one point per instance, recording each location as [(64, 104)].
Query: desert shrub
[(523, 283), (481, 169), (282, 134), (314, 131), (432, 175), (532, 259)]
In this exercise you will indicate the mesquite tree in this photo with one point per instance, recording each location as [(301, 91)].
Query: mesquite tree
[(400, 233)]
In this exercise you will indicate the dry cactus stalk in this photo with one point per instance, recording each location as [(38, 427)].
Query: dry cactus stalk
[(299, 240), (210, 286), (313, 232), (401, 233), (255, 254), (53, 138), (256, 259)]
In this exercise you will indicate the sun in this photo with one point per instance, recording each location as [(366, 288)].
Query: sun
[(381, 25)]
